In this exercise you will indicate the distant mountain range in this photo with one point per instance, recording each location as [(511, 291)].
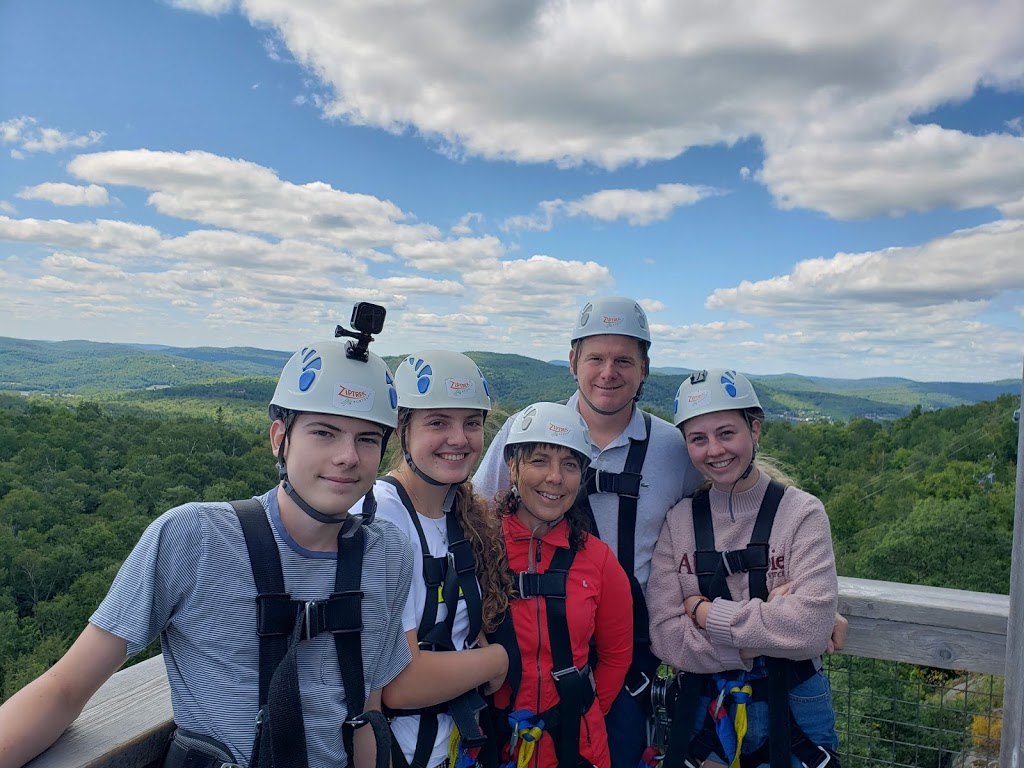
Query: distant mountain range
[(248, 373)]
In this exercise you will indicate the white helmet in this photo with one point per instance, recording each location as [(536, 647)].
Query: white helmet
[(321, 378), (437, 378), (553, 424), (614, 315), (717, 389)]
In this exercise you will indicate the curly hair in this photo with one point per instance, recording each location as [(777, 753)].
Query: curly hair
[(509, 501), (483, 531)]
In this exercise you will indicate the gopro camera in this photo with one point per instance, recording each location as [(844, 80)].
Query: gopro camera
[(367, 319)]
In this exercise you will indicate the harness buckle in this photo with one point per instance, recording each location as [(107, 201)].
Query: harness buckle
[(725, 561), (634, 692), (357, 722), (564, 673), (307, 619), (823, 763), (625, 484)]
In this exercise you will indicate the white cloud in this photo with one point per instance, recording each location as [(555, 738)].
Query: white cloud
[(1013, 210), (914, 309), (113, 237), (652, 305), (917, 168), (540, 290), (716, 330), (6, 207), (970, 265), (30, 137), (599, 82), (451, 255), (236, 194), (212, 7), (66, 194), (637, 207), (419, 285), (464, 226), (69, 262)]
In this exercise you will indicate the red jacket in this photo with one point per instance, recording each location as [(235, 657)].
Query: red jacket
[(598, 605)]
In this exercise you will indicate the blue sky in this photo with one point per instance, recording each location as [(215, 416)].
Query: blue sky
[(827, 189)]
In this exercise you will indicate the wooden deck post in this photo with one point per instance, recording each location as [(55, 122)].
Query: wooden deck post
[(1011, 750)]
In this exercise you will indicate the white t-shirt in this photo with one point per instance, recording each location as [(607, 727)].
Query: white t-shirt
[(391, 508)]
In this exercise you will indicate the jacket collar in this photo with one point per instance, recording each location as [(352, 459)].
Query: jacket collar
[(516, 532)]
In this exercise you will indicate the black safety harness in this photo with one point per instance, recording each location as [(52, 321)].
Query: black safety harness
[(283, 622), (785, 736), (626, 485), (449, 578), (575, 687)]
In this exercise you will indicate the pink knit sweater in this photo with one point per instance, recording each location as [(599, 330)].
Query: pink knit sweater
[(796, 625)]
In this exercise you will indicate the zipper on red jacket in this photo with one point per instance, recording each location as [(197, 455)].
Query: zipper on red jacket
[(536, 600)]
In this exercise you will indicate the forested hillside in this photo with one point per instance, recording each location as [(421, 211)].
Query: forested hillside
[(926, 499), (126, 371)]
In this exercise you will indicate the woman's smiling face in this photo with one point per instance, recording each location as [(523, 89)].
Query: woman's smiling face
[(547, 478)]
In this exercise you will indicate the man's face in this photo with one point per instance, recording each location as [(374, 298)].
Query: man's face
[(332, 460), (609, 370)]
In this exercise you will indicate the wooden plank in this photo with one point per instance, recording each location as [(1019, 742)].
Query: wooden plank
[(929, 606), (125, 725), (1011, 751), (914, 643)]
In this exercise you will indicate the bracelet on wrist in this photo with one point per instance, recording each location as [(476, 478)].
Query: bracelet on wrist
[(696, 605)]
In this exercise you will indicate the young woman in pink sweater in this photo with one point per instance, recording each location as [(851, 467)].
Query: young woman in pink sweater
[(743, 595)]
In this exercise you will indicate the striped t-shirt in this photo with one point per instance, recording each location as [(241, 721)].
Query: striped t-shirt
[(189, 581)]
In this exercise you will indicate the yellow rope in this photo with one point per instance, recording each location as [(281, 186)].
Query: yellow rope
[(453, 747), (528, 738), (740, 721)]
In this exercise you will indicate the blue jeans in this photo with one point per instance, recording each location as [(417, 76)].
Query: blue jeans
[(811, 704), (626, 722)]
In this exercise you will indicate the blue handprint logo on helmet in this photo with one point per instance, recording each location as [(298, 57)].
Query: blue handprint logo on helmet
[(392, 392), (423, 374), (311, 364), (729, 383)]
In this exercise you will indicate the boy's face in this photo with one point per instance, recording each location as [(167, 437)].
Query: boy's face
[(332, 460)]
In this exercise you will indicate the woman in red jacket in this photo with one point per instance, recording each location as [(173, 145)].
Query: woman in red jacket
[(571, 593)]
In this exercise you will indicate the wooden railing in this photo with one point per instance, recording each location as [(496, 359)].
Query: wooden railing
[(126, 724)]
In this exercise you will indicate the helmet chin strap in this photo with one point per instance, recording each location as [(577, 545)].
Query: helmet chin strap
[(449, 499), (750, 466), (301, 503), (412, 464), (369, 502), (549, 523)]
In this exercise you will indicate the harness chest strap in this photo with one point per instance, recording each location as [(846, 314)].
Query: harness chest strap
[(280, 720), (574, 686), (626, 484), (713, 568)]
